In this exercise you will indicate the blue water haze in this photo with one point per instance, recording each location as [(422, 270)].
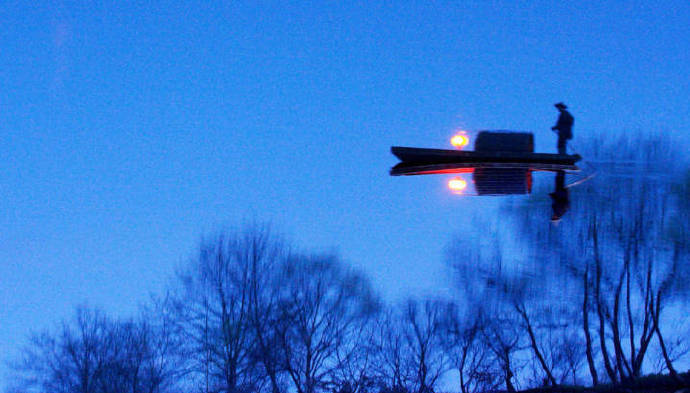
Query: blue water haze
[(129, 131)]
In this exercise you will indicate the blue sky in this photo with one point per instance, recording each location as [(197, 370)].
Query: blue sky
[(127, 132)]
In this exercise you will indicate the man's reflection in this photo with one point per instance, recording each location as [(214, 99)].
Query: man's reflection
[(560, 198)]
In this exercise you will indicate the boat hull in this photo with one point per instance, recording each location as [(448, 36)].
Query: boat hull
[(415, 155), (419, 161)]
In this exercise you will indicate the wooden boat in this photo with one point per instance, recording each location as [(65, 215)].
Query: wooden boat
[(418, 161), (492, 150), (501, 164)]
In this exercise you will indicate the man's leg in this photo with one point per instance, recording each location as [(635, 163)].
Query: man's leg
[(561, 145)]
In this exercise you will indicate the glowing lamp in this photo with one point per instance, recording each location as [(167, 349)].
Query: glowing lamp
[(457, 185), (460, 140)]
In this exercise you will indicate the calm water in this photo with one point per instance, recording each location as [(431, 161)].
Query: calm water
[(600, 253)]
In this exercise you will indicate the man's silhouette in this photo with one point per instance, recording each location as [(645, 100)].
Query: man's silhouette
[(564, 126), (560, 197)]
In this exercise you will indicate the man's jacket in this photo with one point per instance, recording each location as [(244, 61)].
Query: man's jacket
[(564, 125)]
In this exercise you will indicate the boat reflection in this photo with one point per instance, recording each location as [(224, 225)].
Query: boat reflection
[(496, 179), (502, 181)]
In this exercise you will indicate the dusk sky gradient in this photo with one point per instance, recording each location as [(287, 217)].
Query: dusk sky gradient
[(128, 132)]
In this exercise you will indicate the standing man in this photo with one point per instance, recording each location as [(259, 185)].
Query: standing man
[(564, 126)]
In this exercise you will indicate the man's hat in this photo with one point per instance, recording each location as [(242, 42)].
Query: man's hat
[(560, 105)]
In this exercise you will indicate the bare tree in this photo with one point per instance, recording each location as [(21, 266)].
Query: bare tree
[(392, 363), (73, 359), (265, 255), (411, 346), (501, 335), (462, 339), (140, 360), (213, 311), (95, 354), (423, 329), (323, 306), (356, 359)]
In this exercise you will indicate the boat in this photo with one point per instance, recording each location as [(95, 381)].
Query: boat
[(493, 149)]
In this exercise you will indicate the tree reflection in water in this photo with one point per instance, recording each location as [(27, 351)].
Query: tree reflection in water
[(600, 297)]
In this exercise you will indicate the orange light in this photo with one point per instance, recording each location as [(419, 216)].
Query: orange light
[(460, 140), (457, 185)]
